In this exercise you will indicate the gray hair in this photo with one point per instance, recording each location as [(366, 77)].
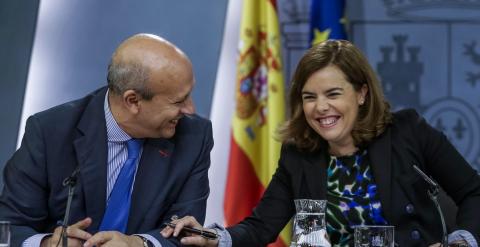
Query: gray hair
[(123, 76)]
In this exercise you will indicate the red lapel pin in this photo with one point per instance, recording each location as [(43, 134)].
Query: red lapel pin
[(163, 153)]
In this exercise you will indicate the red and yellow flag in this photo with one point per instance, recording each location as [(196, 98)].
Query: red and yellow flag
[(260, 109)]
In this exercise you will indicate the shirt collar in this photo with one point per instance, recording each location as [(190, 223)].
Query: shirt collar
[(114, 132)]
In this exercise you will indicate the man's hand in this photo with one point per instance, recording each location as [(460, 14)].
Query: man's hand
[(75, 233), (113, 239), (190, 238)]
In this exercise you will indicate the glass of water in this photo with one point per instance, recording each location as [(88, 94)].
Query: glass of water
[(374, 236), (4, 233), (309, 227)]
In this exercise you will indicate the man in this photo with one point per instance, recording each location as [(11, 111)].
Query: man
[(142, 156)]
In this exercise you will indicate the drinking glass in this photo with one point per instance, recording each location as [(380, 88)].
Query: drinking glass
[(4, 233), (309, 224), (374, 236)]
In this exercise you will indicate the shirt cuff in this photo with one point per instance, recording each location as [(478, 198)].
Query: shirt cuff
[(225, 240), (152, 239), (35, 240), (462, 235)]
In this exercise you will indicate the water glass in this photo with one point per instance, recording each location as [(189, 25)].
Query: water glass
[(309, 227), (4, 234), (374, 236)]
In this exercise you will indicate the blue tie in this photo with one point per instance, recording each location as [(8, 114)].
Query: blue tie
[(118, 207)]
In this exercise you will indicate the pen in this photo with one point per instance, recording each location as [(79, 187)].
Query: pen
[(204, 234)]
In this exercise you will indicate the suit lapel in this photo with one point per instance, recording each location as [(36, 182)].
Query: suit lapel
[(381, 164), (91, 150), (315, 167), (150, 179)]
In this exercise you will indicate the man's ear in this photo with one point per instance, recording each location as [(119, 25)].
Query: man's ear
[(131, 100)]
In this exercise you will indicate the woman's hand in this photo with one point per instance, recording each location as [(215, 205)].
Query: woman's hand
[(459, 243), (189, 238)]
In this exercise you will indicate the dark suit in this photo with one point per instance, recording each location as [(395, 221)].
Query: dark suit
[(171, 178), (403, 193)]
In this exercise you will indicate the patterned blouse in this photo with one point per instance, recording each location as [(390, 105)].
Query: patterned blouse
[(352, 197)]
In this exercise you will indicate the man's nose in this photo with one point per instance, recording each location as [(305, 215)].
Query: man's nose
[(189, 107)]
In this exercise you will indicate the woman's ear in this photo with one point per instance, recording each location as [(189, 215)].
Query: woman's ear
[(363, 94)]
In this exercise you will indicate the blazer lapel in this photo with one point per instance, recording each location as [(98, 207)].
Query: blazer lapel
[(91, 150), (381, 163), (152, 170), (315, 172)]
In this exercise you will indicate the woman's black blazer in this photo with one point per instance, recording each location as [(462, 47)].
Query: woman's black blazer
[(407, 141)]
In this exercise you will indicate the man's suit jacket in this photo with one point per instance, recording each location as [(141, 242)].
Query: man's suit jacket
[(407, 141), (171, 179)]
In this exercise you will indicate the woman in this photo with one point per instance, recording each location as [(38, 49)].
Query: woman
[(344, 145)]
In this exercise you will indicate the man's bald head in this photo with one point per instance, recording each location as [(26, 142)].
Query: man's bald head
[(150, 81), (137, 58)]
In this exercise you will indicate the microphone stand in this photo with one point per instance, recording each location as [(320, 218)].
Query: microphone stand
[(433, 194), (70, 181)]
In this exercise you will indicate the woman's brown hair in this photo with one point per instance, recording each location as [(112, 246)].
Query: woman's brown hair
[(373, 116)]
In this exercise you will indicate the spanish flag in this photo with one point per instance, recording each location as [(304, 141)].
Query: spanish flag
[(327, 20), (260, 109)]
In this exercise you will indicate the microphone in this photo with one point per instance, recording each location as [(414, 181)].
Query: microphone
[(70, 181), (433, 194)]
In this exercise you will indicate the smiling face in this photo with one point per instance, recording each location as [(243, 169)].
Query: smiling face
[(331, 104), (172, 87), (151, 82), (158, 117)]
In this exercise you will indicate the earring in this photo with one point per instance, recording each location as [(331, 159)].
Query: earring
[(361, 102)]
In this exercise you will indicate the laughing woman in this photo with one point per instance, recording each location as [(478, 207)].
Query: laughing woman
[(342, 144)]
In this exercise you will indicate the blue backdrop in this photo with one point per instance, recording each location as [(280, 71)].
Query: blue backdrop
[(425, 52), (73, 42)]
